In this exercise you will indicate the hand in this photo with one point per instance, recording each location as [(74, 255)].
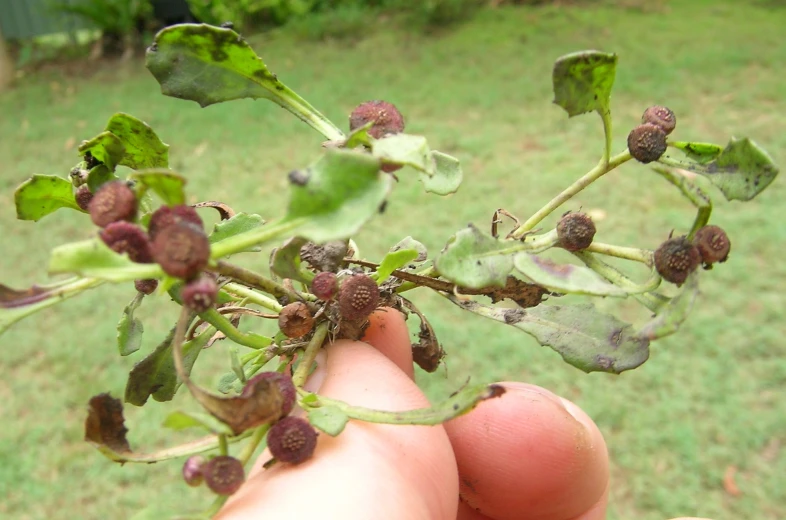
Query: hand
[(526, 455)]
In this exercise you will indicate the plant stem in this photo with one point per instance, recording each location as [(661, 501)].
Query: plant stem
[(244, 241), (190, 448), (639, 291), (308, 356), (253, 444), (216, 506), (591, 176), (255, 280), (628, 253), (694, 194), (253, 297), (290, 100), (606, 117), (222, 323), (223, 447)]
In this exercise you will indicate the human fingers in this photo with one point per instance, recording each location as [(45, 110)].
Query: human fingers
[(371, 470), (530, 455)]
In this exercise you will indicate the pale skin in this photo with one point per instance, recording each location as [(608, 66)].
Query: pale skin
[(528, 455)]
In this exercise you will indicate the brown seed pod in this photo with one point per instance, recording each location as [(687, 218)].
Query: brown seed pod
[(112, 202), (292, 440), (358, 297), (675, 259), (713, 244), (285, 386), (127, 238), (200, 294), (660, 116), (192, 470), (182, 249), (83, 197), (385, 117), (147, 286), (224, 475), (575, 231), (324, 285), (295, 320), (168, 215), (647, 143)]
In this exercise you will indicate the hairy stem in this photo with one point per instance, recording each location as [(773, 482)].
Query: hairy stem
[(253, 296), (628, 253), (310, 354), (591, 176), (255, 280), (222, 323), (639, 291)]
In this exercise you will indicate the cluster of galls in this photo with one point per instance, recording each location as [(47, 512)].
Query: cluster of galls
[(678, 257), (175, 239), (647, 142), (290, 439)]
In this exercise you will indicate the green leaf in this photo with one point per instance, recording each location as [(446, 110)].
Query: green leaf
[(41, 195), (98, 176), (143, 148), (475, 260), (155, 375), (130, 329), (447, 175), (212, 65), (165, 183), (106, 148), (178, 420), (329, 419), (93, 259), (393, 261), (565, 278), (404, 149), (582, 81), (672, 315), (285, 261), (359, 137), (702, 153), (741, 171), (583, 336), (411, 243), (239, 223), (337, 194)]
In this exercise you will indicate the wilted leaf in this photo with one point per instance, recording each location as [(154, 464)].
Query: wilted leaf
[(394, 260), (474, 259), (672, 315), (105, 424), (446, 177), (106, 148), (41, 195), (210, 65), (165, 183), (93, 259), (285, 261), (582, 81), (336, 195), (329, 419), (143, 148), (130, 329), (741, 171), (235, 225), (178, 420), (156, 376), (564, 278), (583, 336), (404, 149), (427, 352)]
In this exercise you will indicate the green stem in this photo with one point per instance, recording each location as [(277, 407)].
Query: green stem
[(255, 280), (254, 237), (256, 438), (190, 448), (694, 194), (222, 323), (591, 176), (216, 506), (223, 446), (606, 117), (290, 100), (628, 253), (252, 296), (459, 403), (310, 354), (639, 291)]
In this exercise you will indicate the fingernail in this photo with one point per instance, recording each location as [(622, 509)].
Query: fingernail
[(577, 413), (533, 392)]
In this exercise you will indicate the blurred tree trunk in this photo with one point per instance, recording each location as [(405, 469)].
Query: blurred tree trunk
[(6, 66)]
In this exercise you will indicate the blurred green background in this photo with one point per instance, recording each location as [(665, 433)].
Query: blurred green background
[(699, 430)]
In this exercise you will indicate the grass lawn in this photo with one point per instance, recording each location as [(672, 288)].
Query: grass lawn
[(708, 404)]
